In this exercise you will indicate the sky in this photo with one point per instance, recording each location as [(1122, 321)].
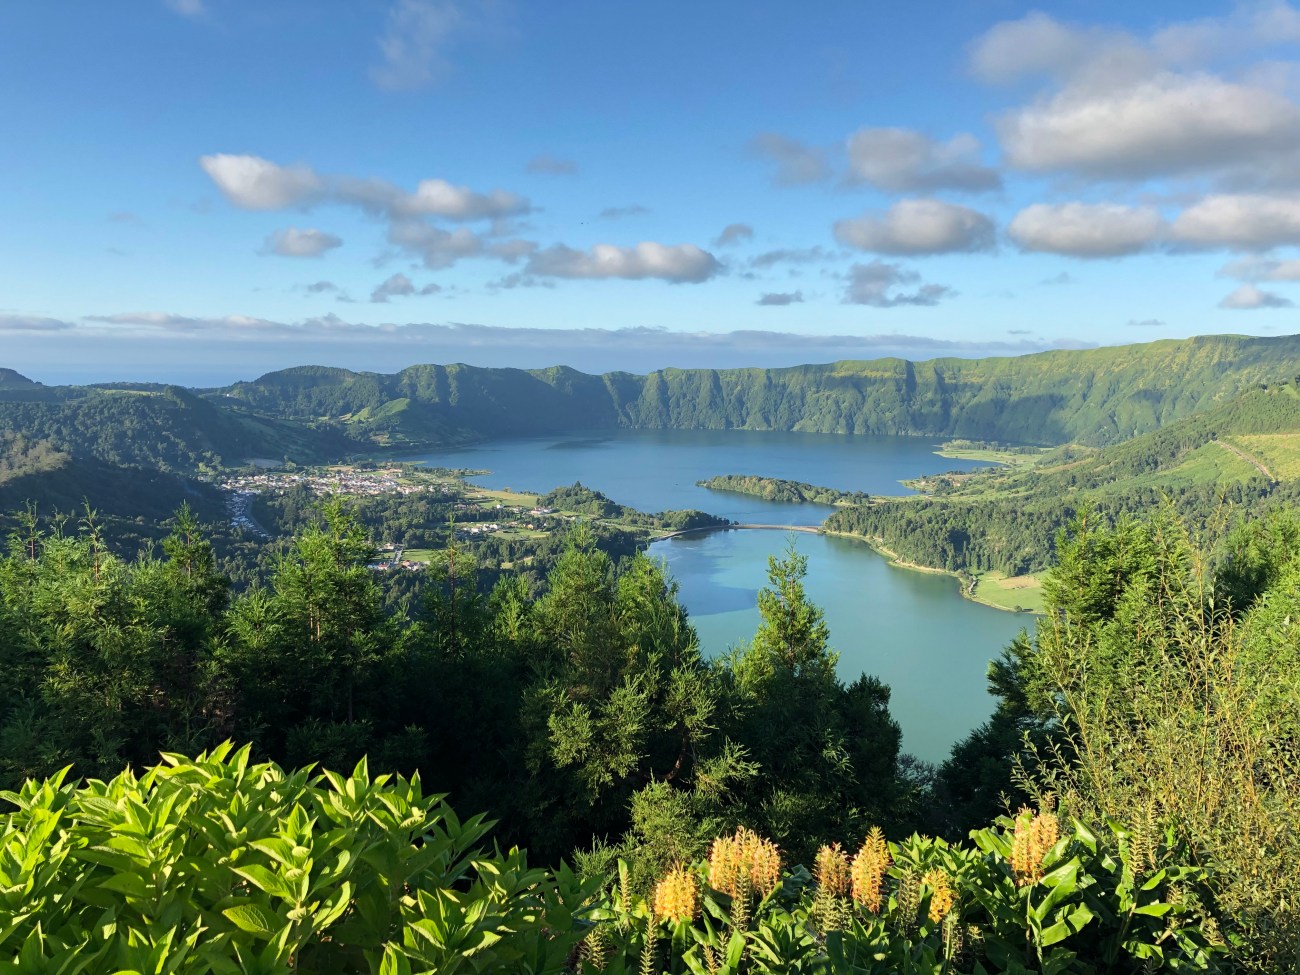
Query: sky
[(201, 191)]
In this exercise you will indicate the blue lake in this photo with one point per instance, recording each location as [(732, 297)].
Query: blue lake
[(913, 630)]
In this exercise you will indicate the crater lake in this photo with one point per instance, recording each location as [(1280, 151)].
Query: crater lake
[(911, 629)]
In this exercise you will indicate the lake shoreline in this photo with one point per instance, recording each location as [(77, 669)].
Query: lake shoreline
[(890, 557)]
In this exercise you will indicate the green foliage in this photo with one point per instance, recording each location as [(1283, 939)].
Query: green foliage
[(1172, 709), (776, 489), (1095, 396), (944, 909), (1008, 520), (217, 864)]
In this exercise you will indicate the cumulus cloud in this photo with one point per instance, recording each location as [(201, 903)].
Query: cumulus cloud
[(774, 298), (411, 47), (1168, 124), (796, 163), (915, 227), (733, 233), (321, 287), (438, 248), (32, 323), (903, 160), (1145, 323), (876, 284), (618, 213), (1249, 298), (1038, 44), (253, 183), (400, 286), (438, 198), (1261, 269), (677, 264), (293, 242), (1086, 229), (548, 165), (790, 255), (1247, 222)]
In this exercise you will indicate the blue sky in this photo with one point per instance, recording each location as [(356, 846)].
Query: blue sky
[(202, 190)]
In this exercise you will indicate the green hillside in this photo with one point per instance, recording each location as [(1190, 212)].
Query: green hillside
[(317, 413), (1246, 451), (155, 427), (1095, 396)]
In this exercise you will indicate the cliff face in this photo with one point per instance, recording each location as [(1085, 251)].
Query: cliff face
[(1094, 396)]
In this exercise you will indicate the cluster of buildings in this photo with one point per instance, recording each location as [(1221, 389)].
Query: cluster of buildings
[(333, 481)]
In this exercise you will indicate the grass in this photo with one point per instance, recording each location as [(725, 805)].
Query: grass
[(1007, 458), (1279, 452), (1010, 592), (507, 496), (421, 555)]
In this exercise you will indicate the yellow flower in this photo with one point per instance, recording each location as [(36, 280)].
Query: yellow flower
[(832, 871), (868, 870), (942, 897), (677, 897), (743, 862), (1034, 837)]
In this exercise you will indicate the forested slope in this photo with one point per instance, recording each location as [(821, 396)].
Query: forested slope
[(1007, 520), (315, 413), (1093, 396)]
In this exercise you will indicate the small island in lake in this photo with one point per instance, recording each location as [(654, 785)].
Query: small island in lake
[(776, 489)]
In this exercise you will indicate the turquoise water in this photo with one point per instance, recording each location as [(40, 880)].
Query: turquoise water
[(913, 630)]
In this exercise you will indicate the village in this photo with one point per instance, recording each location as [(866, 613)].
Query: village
[(343, 480)]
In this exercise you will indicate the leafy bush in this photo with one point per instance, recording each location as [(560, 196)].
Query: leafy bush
[(219, 865), (1022, 898)]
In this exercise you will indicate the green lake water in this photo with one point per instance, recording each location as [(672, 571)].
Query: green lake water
[(913, 630)]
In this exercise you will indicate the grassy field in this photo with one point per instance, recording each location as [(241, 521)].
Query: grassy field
[(1010, 592), (1006, 458), (482, 494), (1279, 452), (422, 555)]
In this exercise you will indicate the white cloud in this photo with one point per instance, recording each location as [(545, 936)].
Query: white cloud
[(1249, 298), (1086, 229), (411, 47), (1261, 269), (678, 264), (790, 255), (1038, 44), (400, 286), (796, 163), (187, 8), (548, 165), (185, 323), (1167, 124), (903, 160), (733, 233), (438, 248), (439, 198), (1241, 221), (917, 227), (253, 183), (876, 284), (32, 323), (618, 213), (293, 242), (779, 298)]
